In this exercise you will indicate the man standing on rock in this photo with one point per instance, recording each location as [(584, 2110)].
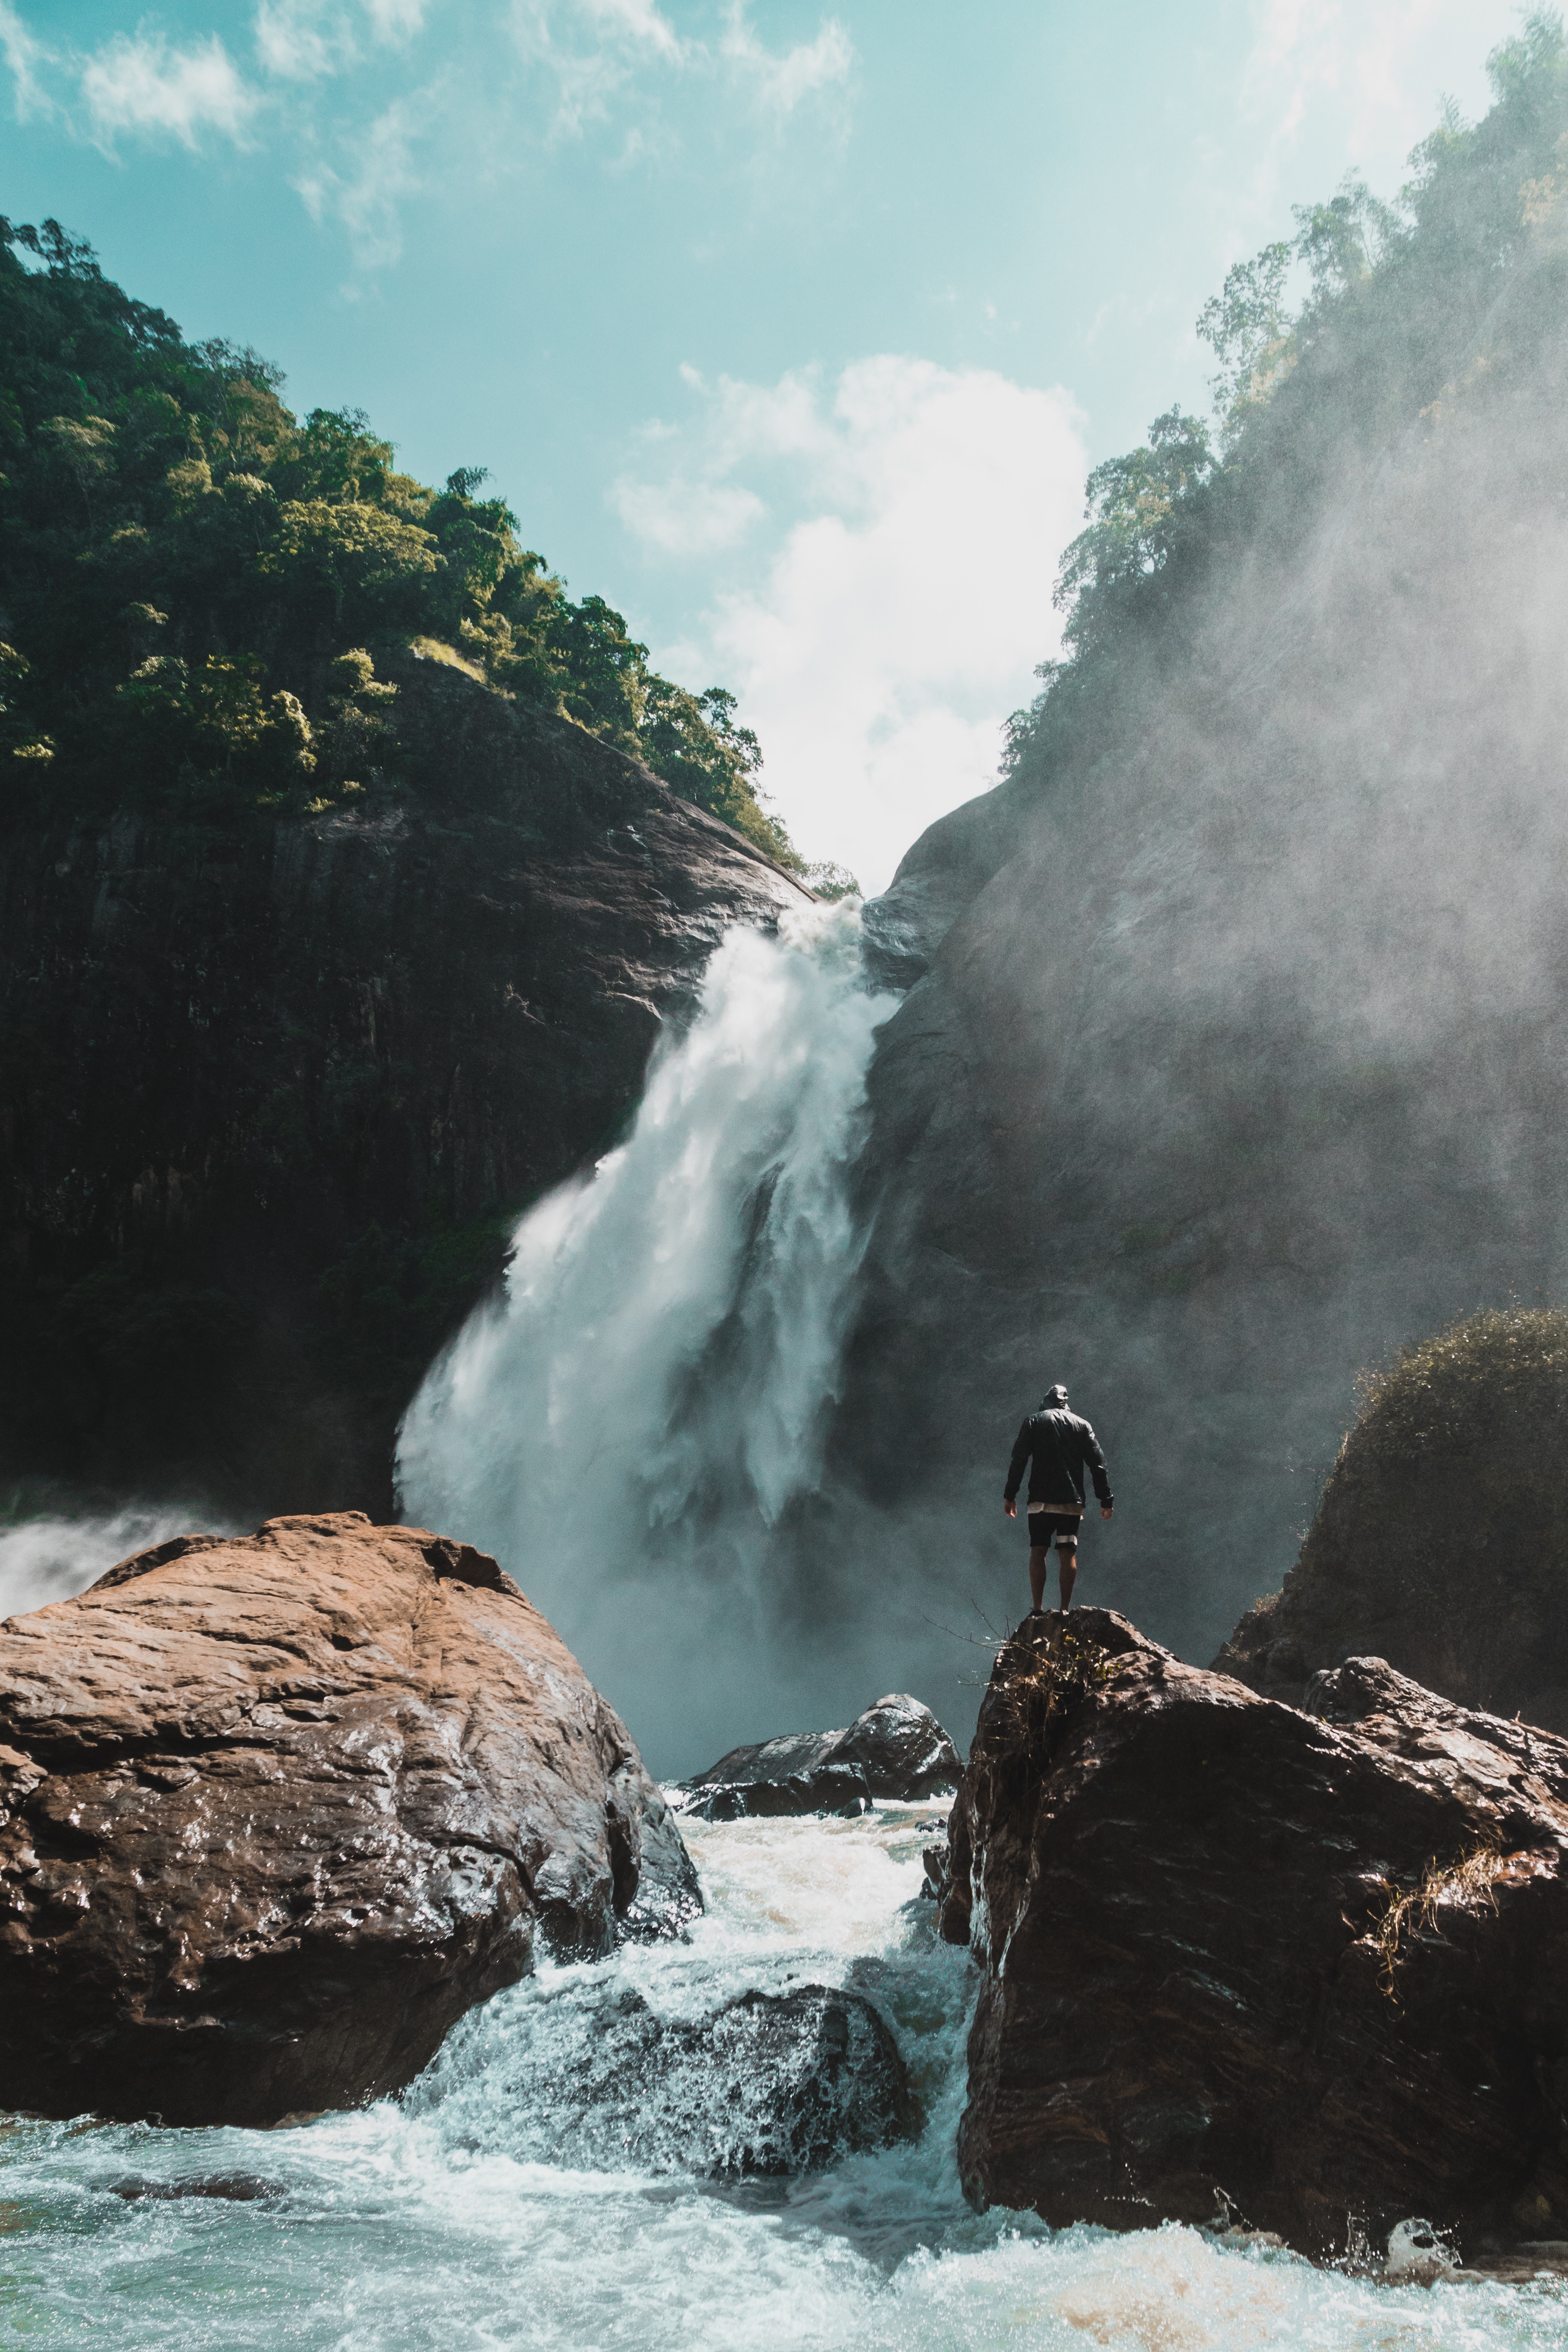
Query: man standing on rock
[(1056, 1444)]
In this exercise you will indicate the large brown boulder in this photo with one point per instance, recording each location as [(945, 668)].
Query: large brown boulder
[(1440, 1541), (1313, 1966), (275, 1811)]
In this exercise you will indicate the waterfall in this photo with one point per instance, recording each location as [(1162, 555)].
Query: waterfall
[(627, 1423)]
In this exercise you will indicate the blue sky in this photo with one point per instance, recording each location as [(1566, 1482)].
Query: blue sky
[(792, 330)]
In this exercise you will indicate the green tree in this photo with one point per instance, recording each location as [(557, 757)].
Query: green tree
[(186, 568)]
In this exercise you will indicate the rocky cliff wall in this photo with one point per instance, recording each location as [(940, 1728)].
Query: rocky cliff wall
[(1238, 1054), (272, 1092)]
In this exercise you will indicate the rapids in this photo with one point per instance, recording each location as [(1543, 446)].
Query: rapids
[(444, 2221)]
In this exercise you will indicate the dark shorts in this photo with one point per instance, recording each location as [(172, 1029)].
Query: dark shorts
[(1060, 1528)]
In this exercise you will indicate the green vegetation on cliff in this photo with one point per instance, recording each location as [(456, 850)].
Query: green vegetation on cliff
[(197, 588), (1440, 1541), (1411, 315)]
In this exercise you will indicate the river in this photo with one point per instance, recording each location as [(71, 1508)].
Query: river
[(456, 2219)]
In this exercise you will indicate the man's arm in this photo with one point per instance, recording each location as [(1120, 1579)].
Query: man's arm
[(1022, 1452), (1097, 1471)]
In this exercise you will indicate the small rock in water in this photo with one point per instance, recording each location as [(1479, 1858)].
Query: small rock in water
[(771, 2084), (231, 2188), (896, 1750), (831, 1789)]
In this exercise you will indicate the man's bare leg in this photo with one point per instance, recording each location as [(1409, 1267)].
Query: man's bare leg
[(1038, 1556), (1067, 1565)]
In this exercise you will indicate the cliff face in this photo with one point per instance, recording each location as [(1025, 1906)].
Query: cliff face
[(272, 1091), (1238, 1054)]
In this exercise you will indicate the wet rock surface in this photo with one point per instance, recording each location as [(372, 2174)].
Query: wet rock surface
[(275, 1811), (1312, 1964), (279, 1085), (896, 1750), (769, 2085)]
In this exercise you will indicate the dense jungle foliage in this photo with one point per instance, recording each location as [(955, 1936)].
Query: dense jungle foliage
[(1405, 312), (196, 588)]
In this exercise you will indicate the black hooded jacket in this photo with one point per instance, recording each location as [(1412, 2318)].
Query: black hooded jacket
[(1058, 1445)]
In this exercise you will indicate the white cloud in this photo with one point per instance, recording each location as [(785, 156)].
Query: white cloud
[(395, 20), (900, 617), (380, 175), (637, 23), (686, 518), (597, 48), (137, 82), (594, 48), (1369, 59), (299, 39), (23, 54), (782, 81)]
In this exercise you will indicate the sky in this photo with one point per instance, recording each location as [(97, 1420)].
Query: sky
[(791, 331)]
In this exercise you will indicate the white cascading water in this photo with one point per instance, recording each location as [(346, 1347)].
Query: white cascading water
[(624, 1427)]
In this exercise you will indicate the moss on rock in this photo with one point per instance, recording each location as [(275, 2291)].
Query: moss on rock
[(1441, 1538)]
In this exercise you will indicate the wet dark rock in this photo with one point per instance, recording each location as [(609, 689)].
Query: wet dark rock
[(831, 1788), (276, 1088), (771, 2084), (276, 1811), (896, 1750), (227, 2187), (1314, 1964), (937, 878)]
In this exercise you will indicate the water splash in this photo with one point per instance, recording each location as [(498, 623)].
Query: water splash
[(626, 1426), (52, 1554), (429, 2224)]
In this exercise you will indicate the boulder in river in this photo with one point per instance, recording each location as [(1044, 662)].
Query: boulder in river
[(768, 2083), (275, 1811), (1440, 1541), (896, 1750), (1311, 1964)]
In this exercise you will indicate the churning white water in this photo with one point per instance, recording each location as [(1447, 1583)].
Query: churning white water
[(49, 1555), (625, 1425), (451, 2220)]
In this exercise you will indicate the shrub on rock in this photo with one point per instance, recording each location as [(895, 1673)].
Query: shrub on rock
[(1441, 1540)]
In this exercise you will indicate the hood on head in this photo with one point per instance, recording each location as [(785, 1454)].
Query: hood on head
[(1054, 1395)]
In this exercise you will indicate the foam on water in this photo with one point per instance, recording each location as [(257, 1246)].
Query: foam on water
[(433, 2223)]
